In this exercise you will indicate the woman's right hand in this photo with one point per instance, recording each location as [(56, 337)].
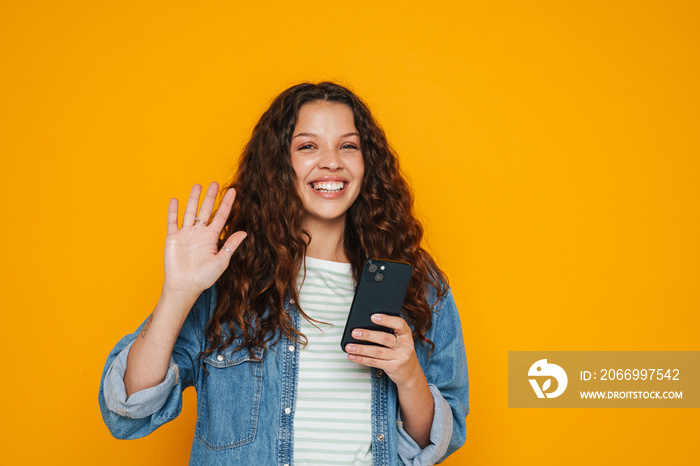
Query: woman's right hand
[(193, 261)]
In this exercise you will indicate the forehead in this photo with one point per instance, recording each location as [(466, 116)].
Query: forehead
[(322, 114)]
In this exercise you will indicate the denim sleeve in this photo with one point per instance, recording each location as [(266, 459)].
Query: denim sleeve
[(146, 410), (142, 403), (446, 371), (440, 433)]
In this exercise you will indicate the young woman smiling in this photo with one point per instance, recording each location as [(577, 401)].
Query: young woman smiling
[(256, 295)]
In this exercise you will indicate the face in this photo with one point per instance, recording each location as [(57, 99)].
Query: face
[(327, 159)]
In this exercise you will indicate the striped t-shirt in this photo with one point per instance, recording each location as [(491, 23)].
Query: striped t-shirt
[(332, 419)]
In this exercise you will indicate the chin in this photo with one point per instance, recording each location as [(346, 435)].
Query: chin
[(330, 217)]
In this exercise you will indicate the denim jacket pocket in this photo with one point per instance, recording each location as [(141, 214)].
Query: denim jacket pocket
[(229, 402)]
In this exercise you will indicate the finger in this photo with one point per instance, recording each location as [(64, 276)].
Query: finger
[(224, 210), (172, 216), (231, 245), (367, 361), (396, 323), (208, 203), (191, 209), (370, 351), (382, 338)]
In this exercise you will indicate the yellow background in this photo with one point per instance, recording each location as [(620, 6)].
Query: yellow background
[(553, 147)]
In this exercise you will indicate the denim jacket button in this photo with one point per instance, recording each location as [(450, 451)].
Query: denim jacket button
[(380, 373), (286, 464), (380, 437), (291, 301), (291, 348), (287, 410), (219, 358)]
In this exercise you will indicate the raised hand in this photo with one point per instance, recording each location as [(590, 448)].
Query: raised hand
[(193, 261)]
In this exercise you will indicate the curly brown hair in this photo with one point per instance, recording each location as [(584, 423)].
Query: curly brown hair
[(263, 270)]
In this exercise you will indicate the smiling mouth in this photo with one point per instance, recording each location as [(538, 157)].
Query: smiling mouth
[(328, 186)]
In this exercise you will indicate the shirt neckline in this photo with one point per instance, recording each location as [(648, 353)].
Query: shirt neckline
[(344, 267)]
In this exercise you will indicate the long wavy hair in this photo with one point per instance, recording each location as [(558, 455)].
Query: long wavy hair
[(263, 270)]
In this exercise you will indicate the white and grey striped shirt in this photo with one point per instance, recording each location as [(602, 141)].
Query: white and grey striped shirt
[(332, 421)]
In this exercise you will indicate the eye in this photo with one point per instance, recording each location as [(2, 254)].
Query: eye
[(349, 146), (306, 147)]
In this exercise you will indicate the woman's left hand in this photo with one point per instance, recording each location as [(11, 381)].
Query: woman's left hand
[(396, 356)]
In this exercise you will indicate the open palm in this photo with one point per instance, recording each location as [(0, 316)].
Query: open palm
[(193, 261)]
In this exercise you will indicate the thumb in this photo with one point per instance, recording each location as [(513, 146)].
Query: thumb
[(231, 245)]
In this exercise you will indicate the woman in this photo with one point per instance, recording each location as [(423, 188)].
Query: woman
[(254, 301)]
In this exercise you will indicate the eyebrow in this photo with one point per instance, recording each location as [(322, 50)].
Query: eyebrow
[(312, 135)]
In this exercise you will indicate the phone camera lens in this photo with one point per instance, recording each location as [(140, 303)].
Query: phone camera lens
[(379, 277), (372, 268)]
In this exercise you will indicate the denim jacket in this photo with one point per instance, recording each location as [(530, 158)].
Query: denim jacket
[(245, 411)]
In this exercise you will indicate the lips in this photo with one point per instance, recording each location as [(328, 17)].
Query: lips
[(328, 186)]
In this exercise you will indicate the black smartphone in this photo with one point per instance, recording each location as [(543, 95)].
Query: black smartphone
[(382, 289)]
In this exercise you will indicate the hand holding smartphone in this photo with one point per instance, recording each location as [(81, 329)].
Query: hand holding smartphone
[(381, 290)]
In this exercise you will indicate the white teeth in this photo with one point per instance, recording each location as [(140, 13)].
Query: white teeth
[(328, 186)]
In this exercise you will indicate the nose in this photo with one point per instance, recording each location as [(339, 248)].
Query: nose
[(330, 159)]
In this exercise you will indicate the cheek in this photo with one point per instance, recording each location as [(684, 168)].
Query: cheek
[(298, 167), (358, 174), (360, 169)]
